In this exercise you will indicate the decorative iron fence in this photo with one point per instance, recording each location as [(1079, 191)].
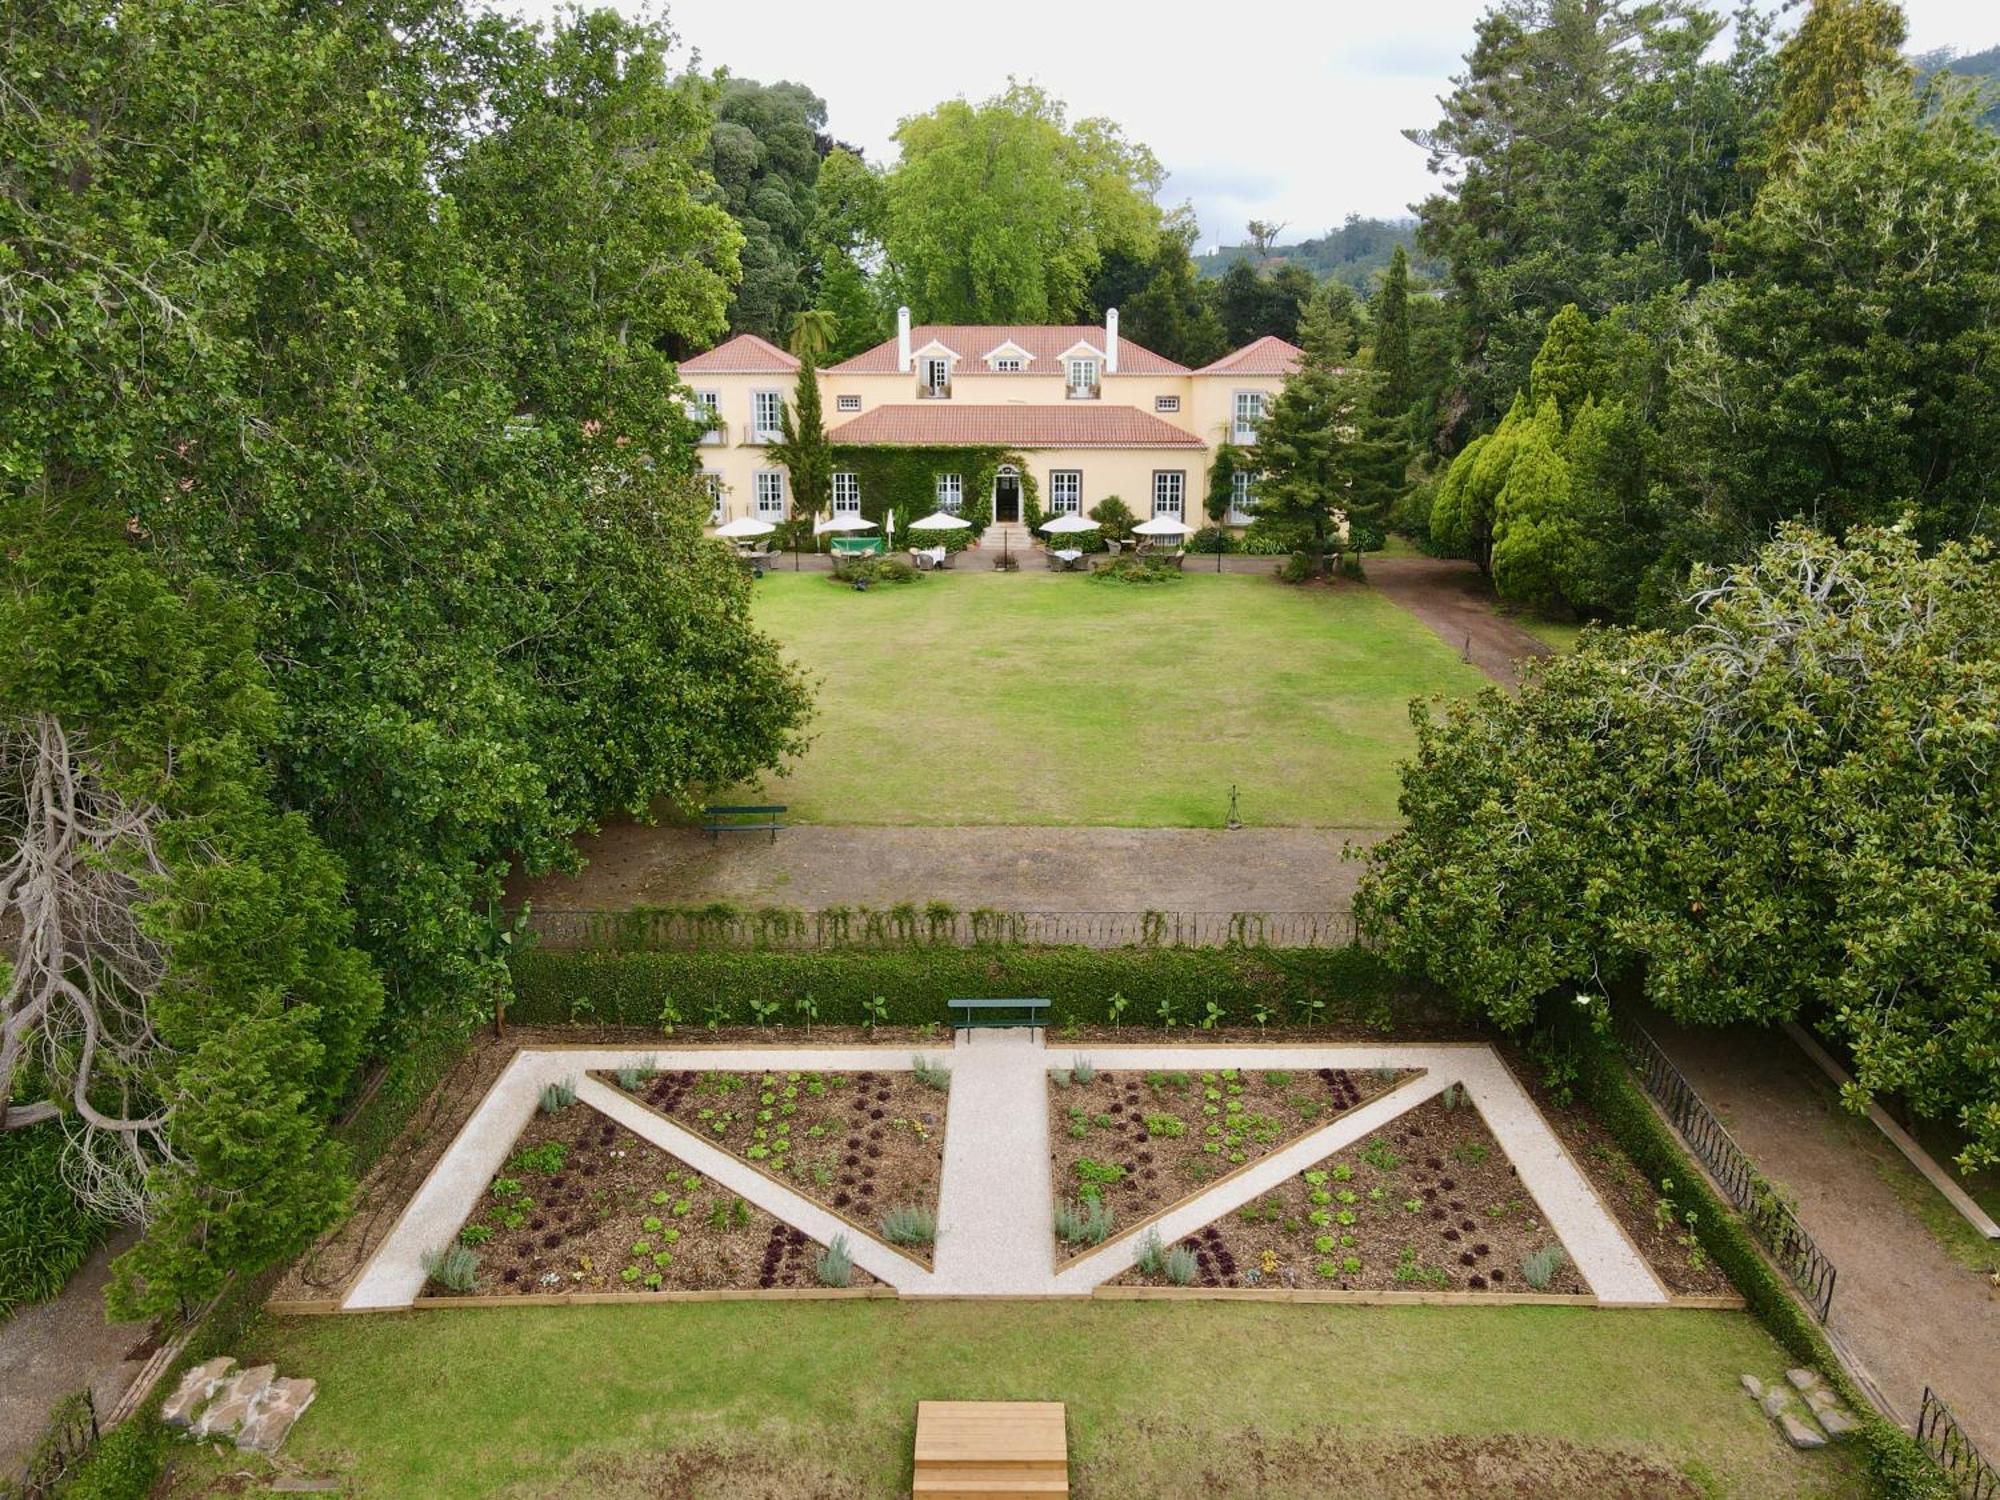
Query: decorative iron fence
[(1946, 1442), (790, 929), (1768, 1216)]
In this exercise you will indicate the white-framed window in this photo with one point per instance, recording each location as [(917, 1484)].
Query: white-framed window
[(1169, 492), (1082, 379), (1007, 364), (704, 407), (934, 370), (1166, 403), (712, 482), (771, 494), (1242, 492), (951, 493), (1065, 492), (847, 403), (1249, 414), (767, 410), (847, 494)]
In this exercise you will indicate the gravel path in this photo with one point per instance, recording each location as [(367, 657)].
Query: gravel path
[(995, 1210), (1456, 602), (1905, 1310)]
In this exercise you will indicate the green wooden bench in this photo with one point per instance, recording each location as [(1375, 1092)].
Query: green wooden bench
[(720, 819), (975, 1015), (856, 546)]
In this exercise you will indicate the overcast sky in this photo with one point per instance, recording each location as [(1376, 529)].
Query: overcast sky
[(1285, 109)]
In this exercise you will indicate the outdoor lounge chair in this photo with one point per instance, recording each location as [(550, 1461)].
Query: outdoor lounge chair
[(1113, 545)]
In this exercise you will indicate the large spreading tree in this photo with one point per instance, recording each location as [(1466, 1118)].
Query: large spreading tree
[(1787, 809)]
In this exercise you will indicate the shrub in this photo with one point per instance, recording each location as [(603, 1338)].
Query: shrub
[(1212, 539), (866, 572), (1149, 1255), (1180, 1266), (1114, 518), (558, 1096), (1083, 1221), (454, 1267), (1082, 1069), (835, 1266), (125, 1464), (45, 1234), (1300, 567), (1136, 569), (911, 1224), (634, 1074), (931, 1073)]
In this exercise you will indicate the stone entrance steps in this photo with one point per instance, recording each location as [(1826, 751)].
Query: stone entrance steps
[(1013, 536)]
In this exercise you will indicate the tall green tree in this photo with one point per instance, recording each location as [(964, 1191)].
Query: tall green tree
[(802, 446), (1848, 367), (1825, 68), (1324, 453), (764, 152), (1000, 212), (1731, 820), (1392, 356), (849, 217)]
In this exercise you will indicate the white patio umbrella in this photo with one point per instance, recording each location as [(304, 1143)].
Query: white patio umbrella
[(844, 522), (1162, 526), (1067, 524), (745, 526), (939, 520)]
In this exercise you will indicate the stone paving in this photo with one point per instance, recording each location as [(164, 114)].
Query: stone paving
[(995, 1211)]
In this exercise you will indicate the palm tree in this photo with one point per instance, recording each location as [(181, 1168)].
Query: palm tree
[(813, 329)]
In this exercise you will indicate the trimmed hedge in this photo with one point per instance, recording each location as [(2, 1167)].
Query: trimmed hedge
[(1901, 1468), (726, 987), (45, 1234)]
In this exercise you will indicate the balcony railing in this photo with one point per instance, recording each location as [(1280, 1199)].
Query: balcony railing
[(1082, 392), (927, 391)]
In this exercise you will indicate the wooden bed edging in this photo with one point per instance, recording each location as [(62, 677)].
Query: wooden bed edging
[(1110, 1293), (297, 1309)]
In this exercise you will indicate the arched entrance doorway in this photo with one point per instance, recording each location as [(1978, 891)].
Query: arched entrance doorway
[(1007, 494)]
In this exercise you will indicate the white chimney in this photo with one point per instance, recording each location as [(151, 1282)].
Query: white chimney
[(1111, 341), (903, 339)]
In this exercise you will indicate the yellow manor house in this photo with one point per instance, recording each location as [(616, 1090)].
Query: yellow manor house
[(1077, 412)]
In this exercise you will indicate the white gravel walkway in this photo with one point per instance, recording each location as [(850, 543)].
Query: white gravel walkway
[(995, 1207)]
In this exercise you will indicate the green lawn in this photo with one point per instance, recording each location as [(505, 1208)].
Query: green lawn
[(1046, 698), (819, 1399), (1560, 634)]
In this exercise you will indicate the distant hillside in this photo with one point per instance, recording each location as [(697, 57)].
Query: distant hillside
[(1984, 66), (1352, 253)]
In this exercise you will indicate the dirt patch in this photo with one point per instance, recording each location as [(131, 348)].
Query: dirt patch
[(700, 1472), (1429, 1203), (1249, 1464), (1455, 600), (864, 1144), (1645, 1210), (1143, 1141), (584, 1205)]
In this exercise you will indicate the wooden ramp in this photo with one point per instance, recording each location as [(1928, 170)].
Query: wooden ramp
[(991, 1450)]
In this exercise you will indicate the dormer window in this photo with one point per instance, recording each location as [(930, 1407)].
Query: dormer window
[(1007, 364), (1082, 384), (934, 377), (1006, 358)]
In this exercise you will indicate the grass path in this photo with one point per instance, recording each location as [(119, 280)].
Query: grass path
[(819, 1399), (975, 698)]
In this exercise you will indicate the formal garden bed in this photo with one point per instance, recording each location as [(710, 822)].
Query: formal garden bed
[(1126, 1144), (582, 1205), (867, 1144), (1428, 1203)]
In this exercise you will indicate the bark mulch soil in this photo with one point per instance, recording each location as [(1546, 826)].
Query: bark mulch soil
[(1645, 1210), (584, 1205), (860, 1143), (1430, 1202), (1143, 1141)]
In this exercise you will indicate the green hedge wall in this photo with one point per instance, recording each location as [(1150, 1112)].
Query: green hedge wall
[(1901, 1468), (726, 987)]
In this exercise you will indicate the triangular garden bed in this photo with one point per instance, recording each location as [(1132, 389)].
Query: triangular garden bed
[(1142, 1140), (862, 1144), (584, 1205), (1427, 1203)]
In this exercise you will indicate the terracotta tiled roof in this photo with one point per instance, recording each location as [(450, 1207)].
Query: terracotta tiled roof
[(1269, 355), (746, 354), (1046, 342), (1078, 424)]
